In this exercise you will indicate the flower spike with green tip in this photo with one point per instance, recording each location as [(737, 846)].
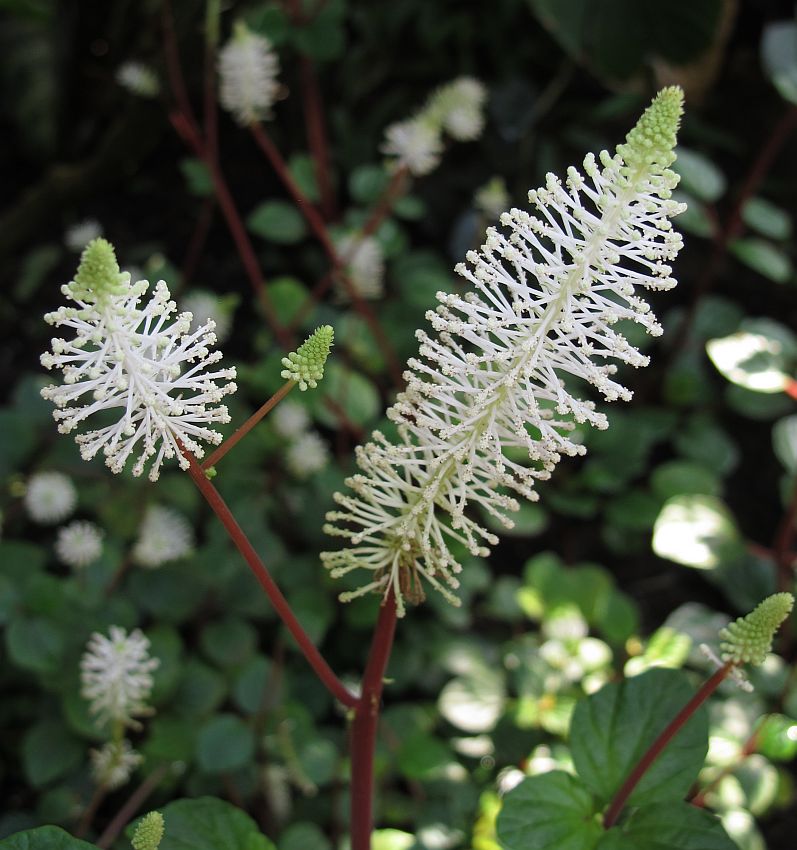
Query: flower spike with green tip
[(748, 640), (98, 274), (305, 366), (149, 832)]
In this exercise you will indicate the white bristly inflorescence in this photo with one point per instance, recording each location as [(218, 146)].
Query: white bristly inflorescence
[(50, 497), (139, 369), (547, 290), (306, 455), (248, 69), (165, 535), (290, 419), (112, 765), (364, 264), (116, 676), (79, 544)]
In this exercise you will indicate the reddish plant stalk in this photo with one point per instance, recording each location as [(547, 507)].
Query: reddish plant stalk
[(243, 430), (321, 232), (197, 243), (261, 573), (384, 206), (364, 727), (655, 749), (316, 134), (133, 804)]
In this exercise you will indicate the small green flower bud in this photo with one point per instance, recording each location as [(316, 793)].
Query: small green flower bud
[(149, 832), (306, 364), (748, 640), (653, 137), (98, 273)]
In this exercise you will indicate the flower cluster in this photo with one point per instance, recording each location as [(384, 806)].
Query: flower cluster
[(139, 366), (50, 497), (116, 676), (305, 366), (748, 640), (248, 69), (113, 763), (206, 306), (138, 79), (79, 544), (164, 536), (456, 109), (489, 385), (364, 265)]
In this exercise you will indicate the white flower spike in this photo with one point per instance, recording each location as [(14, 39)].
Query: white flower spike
[(164, 536), (114, 763), (116, 676), (248, 69), (490, 379), (307, 455), (79, 544), (141, 365)]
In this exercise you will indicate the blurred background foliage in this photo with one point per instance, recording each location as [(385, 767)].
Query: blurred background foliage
[(680, 516)]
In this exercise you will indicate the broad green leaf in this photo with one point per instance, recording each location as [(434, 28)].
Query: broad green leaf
[(288, 295), (36, 644), (302, 168), (303, 836), (277, 221), (694, 219), (228, 642), (391, 839), (613, 728), (682, 478), (552, 811), (768, 219), (699, 176), (696, 531), (676, 826), (225, 743), (49, 751), (777, 737), (197, 177), (760, 356), (763, 257), (422, 755), (367, 182), (44, 838), (208, 824), (200, 691), (352, 391), (779, 57), (784, 441), (249, 690)]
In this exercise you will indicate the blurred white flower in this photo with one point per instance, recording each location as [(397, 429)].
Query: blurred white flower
[(364, 265), (113, 764), (307, 455), (416, 144), (206, 307), (492, 198), (164, 536), (80, 234), (116, 676), (290, 419), (546, 293), (50, 497), (79, 543), (141, 364), (138, 79), (459, 107), (248, 68)]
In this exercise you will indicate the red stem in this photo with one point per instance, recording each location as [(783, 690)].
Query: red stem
[(393, 191), (316, 134), (321, 232), (364, 726), (655, 749), (197, 243), (250, 423), (280, 603), (133, 804)]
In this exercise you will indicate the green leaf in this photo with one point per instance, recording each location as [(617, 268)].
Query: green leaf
[(270, 20), (422, 755), (200, 691), (323, 37), (768, 219), (784, 441), (197, 176), (277, 221), (391, 839), (696, 531), (682, 478), (208, 824), (552, 811), (225, 743), (302, 169), (288, 295), (367, 182), (49, 752), (303, 836), (699, 176), (355, 393), (44, 838), (763, 257), (228, 642), (249, 690), (694, 219), (612, 729), (676, 826), (36, 644), (779, 57), (777, 737)]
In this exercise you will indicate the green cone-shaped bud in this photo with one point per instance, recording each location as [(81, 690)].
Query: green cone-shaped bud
[(149, 832), (652, 140), (98, 273), (306, 364), (749, 639)]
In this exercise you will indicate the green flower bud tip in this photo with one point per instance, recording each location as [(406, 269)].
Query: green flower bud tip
[(653, 138), (149, 832), (748, 640), (305, 366), (98, 273)]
